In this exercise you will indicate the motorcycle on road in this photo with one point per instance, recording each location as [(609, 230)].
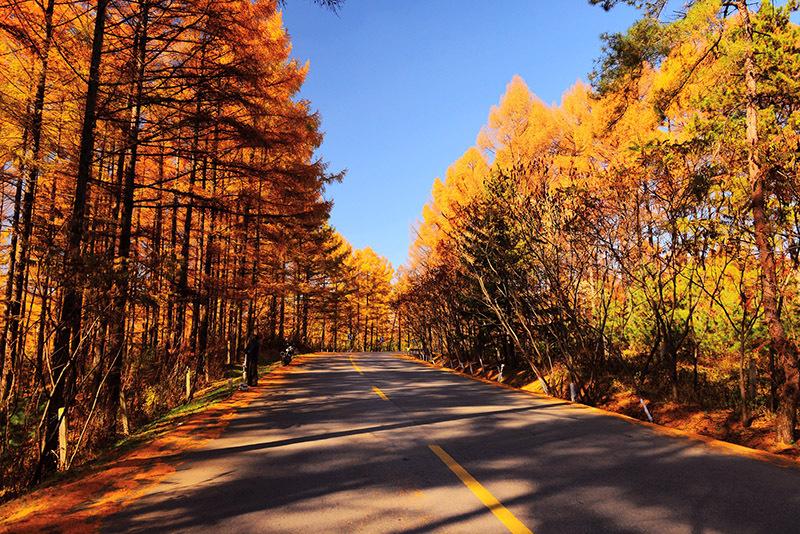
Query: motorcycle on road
[(287, 354)]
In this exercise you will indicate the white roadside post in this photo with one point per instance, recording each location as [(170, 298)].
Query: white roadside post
[(573, 396), (646, 411), (62, 440), (544, 386)]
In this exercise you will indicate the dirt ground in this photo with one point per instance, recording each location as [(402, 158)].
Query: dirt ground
[(719, 424)]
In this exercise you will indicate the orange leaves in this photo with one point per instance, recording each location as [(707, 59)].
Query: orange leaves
[(204, 217), (463, 183), (373, 272), (519, 128)]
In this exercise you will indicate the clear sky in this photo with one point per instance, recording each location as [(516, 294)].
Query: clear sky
[(403, 87)]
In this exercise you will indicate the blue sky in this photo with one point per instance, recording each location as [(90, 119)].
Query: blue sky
[(403, 88)]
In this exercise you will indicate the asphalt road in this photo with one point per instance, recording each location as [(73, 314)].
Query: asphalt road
[(375, 443)]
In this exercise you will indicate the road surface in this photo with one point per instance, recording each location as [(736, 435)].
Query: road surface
[(372, 442)]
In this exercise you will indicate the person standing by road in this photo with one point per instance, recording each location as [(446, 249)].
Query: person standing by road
[(251, 353)]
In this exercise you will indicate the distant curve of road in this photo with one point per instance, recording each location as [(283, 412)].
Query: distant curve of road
[(371, 442)]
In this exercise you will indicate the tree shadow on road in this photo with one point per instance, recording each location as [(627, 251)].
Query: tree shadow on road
[(325, 450)]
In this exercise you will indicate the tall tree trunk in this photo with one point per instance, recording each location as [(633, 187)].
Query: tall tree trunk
[(122, 278), (6, 364), (366, 324), (335, 329), (786, 355), (173, 243), (21, 265), (69, 316), (207, 272), (745, 408), (183, 267), (282, 311), (399, 330)]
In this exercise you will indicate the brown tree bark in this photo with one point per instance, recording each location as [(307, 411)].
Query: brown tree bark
[(785, 353), (69, 316), (122, 274), (21, 265)]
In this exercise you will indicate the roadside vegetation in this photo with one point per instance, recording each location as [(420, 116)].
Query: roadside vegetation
[(160, 203), (641, 238)]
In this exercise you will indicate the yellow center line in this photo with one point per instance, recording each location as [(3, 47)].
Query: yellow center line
[(380, 393), (502, 513), (355, 366)]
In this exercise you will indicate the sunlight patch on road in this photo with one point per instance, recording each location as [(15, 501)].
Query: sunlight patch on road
[(379, 393), (355, 366), (502, 513)]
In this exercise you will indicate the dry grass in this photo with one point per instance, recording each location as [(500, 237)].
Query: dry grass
[(78, 501)]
